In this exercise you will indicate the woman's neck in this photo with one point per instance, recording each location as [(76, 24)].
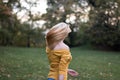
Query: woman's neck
[(61, 42)]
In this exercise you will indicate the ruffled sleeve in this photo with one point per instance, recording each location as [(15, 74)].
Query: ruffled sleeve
[(64, 62)]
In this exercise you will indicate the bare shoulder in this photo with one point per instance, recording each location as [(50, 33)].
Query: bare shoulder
[(61, 46), (64, 46)]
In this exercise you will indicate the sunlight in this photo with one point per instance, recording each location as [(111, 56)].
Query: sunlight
[(39, 8)]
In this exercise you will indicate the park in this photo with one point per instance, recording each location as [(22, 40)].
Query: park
[(94, 39)]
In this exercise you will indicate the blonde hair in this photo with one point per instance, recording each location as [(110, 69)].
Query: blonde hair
[(56, 34)]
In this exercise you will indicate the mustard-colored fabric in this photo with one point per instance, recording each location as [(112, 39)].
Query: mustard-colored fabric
[(59, 61)]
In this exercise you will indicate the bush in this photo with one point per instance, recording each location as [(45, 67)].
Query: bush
[(105, 36)]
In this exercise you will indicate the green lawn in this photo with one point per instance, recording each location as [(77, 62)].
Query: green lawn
[(32, 64)]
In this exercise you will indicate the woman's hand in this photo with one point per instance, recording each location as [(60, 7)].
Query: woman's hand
[(73, 72)]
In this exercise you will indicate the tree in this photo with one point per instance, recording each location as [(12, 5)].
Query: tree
[(5, 14), (106, 23), (69, 11), (32, 17), (12, 30)]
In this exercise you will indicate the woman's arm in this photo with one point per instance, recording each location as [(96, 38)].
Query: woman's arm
[(61, 77)]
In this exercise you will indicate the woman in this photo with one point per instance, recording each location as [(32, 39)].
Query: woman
[(58, 52)]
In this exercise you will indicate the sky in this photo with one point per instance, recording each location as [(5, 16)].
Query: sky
[(40, 7)]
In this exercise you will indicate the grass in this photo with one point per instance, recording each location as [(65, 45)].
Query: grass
[(32, 64)]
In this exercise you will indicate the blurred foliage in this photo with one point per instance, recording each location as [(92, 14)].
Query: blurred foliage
[(101, 26), (62, 11), (105, 31), (15, 33), (28, 36)]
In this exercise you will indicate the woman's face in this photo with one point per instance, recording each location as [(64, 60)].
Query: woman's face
[(68, 29)]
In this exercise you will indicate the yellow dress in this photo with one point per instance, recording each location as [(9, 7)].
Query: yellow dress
[(59, 61)]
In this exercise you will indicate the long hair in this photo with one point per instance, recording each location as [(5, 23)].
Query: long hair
[(56, 34)]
